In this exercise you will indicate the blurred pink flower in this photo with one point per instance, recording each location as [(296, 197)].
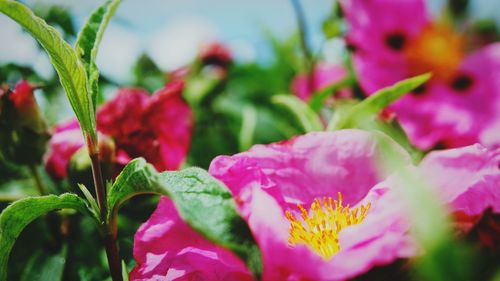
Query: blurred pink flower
[(324, 75), (216, 53), (66, 141), (393, 40), (467, 179), (26, 112), (156, 127), (268, 182), (166, 248), (23, 97)]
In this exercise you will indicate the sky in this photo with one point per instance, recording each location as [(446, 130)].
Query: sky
[(170, 31)]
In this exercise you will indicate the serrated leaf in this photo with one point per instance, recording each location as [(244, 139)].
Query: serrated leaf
[(20, 213), (377, 102), (64, 59), (88, 40), (202, 201), (302, 112)]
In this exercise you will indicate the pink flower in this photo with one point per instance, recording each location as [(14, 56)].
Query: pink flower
[(66, 140), (166, 248), (216, 53), (393, 40), (324, 75), (268, 182), (467, 182), (467, 179), (156, 127)]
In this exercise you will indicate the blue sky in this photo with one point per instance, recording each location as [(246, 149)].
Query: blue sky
[(171, 30)]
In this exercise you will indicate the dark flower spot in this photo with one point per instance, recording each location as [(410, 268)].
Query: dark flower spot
[(395, 41), (458, 7), (351, 47), (440, 145), (462, 82), (420, 90)]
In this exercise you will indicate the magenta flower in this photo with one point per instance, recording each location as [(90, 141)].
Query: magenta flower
[(156, 127), (467, 182), (166, 248), (316, 176), (393, 40), (66, 141), (324, 75), (467, 179), (216, 53)]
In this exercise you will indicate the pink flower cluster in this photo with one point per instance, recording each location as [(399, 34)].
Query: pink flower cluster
[(269, 181), (156, 127), (324, 75), (393, 40)]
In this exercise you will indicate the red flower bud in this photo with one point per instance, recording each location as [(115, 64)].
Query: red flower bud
[(216, 54)]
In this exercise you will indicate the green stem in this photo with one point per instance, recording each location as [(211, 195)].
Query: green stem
[(38, 182), (306, 50), (100, 189), (108, 233)]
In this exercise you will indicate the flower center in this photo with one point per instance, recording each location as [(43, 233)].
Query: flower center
[(320, 227), (437, 49)]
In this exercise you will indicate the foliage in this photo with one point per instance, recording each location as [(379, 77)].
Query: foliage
[(64, 59), (202, 201), (235, 106), (18, 215)]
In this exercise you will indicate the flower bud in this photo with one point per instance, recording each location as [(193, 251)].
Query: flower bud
[(216, 54), (80, 169), (23, 130)]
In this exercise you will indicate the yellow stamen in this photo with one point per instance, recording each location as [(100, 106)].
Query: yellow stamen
[(437, 49), (319, 228)]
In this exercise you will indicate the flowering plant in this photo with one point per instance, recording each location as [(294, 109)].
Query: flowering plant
[(378, 163)]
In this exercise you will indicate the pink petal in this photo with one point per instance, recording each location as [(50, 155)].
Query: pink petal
[(483, 97), (171, 120), (467, 179), (66, 140), (268, 180), (166, 248), (371, 21), (324, 75), (120, 116), (309, 166)]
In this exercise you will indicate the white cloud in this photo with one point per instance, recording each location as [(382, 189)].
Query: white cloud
[(178, 42), (118, 52), (243, 51), (20, 48)]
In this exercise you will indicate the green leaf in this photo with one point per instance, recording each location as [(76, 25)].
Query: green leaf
[(94, 208), (64, 59), (88, 40), (199, 88), (202, 201), (376, 102), (317, 99), (248, 125), (304, 114), (124, 272), (20, 213)]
